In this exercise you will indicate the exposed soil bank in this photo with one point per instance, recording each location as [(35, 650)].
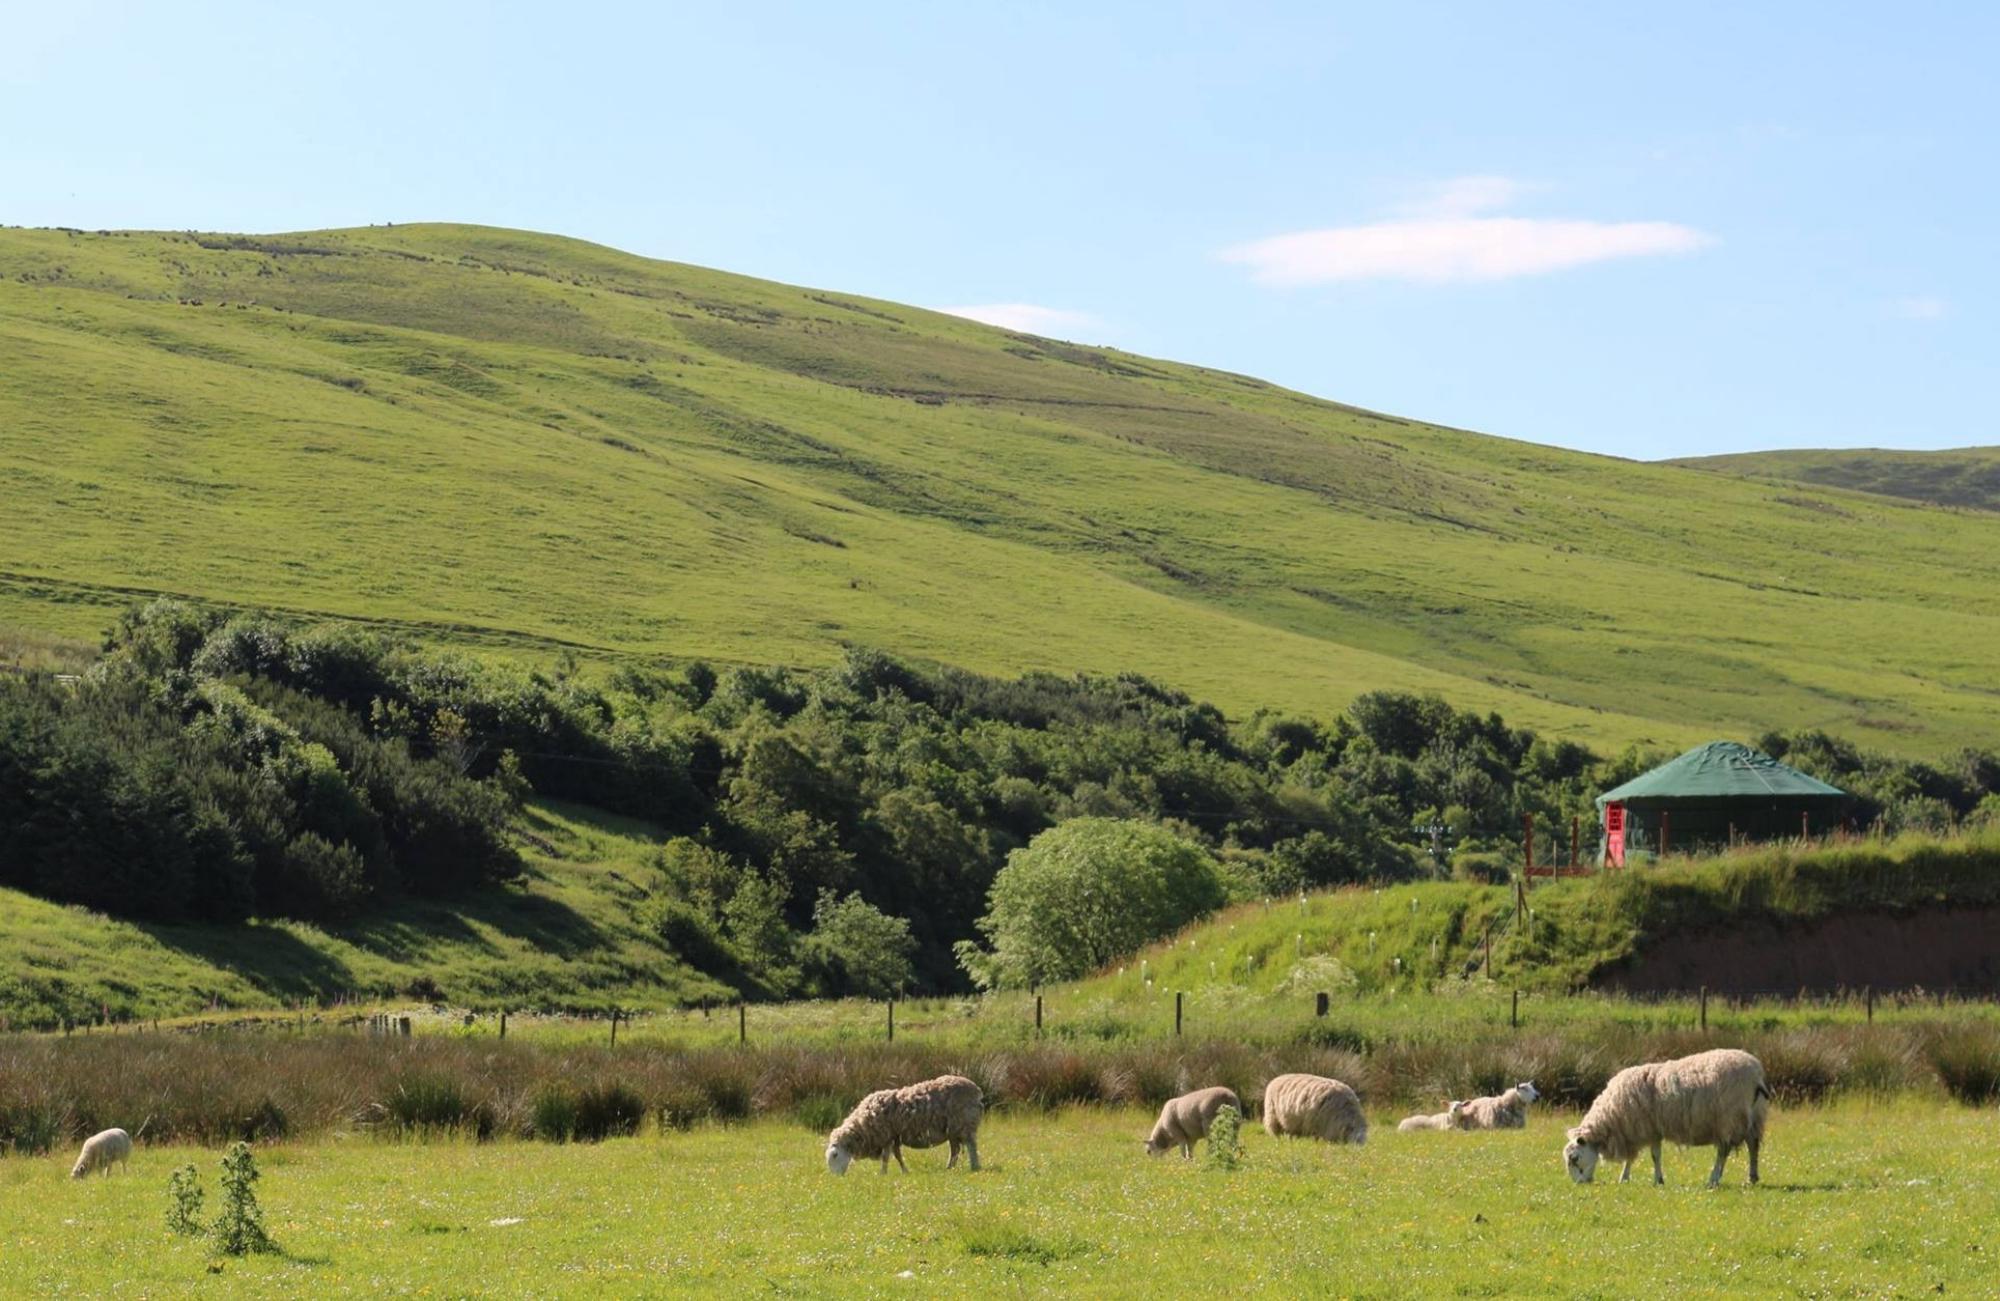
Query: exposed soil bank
[(1936, 948)]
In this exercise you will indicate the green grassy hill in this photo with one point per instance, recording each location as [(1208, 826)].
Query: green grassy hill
[(1965, 476), (565, 936), (523, 443)]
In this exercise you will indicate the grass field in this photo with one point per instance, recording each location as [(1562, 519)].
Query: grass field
[(527, 444), (1857, 1200)]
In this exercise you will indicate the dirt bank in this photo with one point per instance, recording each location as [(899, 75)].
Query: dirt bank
[(1936, 948)]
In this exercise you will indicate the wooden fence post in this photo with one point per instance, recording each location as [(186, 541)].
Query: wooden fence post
[(1704, 1009), (1514, 1017), (614, 1027), (1177, 1012), (1575, 830), (1320, 1003), (503, 1023), (892, 1020), (742, 1024), (1038, 1016)]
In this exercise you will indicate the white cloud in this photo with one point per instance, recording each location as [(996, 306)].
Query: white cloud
[(1920, 307), (1026, 318), (1442, 237)]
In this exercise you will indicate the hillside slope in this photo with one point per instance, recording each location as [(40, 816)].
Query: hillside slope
[(565, 936), (529, 443), (1968, 477)]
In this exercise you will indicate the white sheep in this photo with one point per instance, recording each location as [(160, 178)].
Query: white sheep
[(1508, 1111), (1452, 1117), (1714, 1097), (1313, 1106), (1185, 1120), (101, 1151), (946, 1109)]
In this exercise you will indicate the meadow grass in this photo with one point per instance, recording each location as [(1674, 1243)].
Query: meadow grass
[(1858, 1200), (524, 445)]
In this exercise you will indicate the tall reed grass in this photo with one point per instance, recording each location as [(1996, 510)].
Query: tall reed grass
[(217, 1088)]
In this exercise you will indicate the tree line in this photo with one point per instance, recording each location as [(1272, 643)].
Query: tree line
[(832, 830)]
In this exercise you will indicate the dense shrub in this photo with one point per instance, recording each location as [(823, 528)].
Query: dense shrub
[(1087, 892)]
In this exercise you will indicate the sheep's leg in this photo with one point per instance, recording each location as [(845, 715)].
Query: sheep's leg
[(1721, 1156), (898, 1150), (972, 1152), (1625, 1175), (885, 1163), (1754, 1144), (1659, 1176), (952, 1160)]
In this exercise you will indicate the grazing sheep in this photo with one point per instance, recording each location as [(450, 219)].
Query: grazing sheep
[(1452, 1117), (1714, 1097), (100, 1151), (943, 1110), (1508, 1111), (1185, 1120), (1312, 1106)]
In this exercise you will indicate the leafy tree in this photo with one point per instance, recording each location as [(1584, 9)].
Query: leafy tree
[(859, 949), (1085, 893)]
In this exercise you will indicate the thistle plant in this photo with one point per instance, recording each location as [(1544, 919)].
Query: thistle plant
[(184, 1197), (1225, 1140), (239, 1227)]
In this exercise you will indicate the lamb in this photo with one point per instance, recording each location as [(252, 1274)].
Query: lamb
[(1508, 1111), (1714, 1097), (1313, 1106), (1186, 1119), (946, 1109), (1452, 1117), (100, 1151)]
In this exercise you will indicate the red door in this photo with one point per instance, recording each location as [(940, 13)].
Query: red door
[(1614, 834)]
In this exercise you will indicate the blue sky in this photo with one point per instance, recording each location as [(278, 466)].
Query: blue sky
[(1646, 230)]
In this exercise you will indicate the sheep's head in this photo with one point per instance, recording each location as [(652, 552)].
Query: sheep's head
[(1154, 1147), (1580, 1157), (1527, 1090), (1454, 1115), (838, 1158)]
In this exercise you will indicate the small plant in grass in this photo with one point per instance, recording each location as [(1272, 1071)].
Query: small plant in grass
[(1225, 1140), (184, 1197), (239, 1226)]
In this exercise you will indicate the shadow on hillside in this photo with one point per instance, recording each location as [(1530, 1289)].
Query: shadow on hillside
[(412, 932), (274, 961)]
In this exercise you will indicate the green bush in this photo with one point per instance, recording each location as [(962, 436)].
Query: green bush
[(1086, 893)]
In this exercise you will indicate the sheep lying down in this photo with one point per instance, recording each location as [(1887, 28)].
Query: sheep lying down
[(1452, 1117), (1185, 1120), (944, 1110), (1716, 1097)]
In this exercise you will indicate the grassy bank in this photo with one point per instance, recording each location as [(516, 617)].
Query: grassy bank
[(565, 936), (1860, 1199), (568, 938)]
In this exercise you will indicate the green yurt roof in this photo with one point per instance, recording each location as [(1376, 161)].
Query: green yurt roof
[(1721, 770)]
